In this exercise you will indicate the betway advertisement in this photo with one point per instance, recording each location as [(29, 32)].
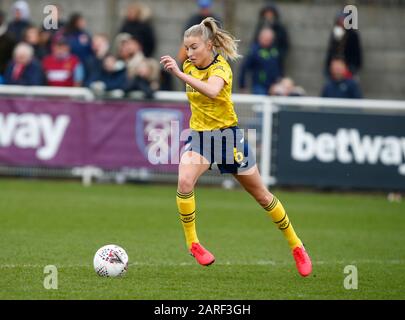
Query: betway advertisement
[(340, 150), (109, 135)]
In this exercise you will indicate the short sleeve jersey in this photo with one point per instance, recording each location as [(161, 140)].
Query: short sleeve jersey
[(207, 113)]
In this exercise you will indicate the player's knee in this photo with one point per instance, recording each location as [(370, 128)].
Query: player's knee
[(264, 197), (186, 183)]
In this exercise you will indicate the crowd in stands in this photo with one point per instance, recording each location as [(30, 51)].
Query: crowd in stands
[(72, 56), (265, 62)]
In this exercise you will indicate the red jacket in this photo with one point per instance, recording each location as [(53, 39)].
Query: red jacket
[(60, 72)]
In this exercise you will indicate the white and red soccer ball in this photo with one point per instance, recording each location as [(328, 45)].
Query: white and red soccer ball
[(110, 261)]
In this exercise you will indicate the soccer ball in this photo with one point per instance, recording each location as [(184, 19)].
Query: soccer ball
[(110, 261)]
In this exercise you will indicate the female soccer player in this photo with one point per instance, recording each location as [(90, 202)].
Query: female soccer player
[(215, 136)]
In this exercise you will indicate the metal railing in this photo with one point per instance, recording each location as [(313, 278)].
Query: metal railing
[(42, 91)]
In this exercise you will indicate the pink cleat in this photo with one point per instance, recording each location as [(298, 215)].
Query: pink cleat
[(202, 255), (303, 261)]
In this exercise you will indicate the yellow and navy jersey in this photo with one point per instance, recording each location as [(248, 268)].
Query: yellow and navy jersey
[(207, 113)]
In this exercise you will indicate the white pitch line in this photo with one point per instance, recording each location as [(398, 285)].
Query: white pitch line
[(224, 263)]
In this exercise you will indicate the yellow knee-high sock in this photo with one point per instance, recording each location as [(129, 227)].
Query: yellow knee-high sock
[(277, 213), (186, 206)]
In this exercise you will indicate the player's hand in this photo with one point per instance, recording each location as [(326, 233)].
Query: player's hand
[(170, 65)]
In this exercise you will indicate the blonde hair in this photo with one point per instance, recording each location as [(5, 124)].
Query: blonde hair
[(223, 42)]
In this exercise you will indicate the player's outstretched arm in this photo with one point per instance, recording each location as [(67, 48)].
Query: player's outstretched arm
[(210, 88)]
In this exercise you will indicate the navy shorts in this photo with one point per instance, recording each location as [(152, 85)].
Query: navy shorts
[(227, 148)]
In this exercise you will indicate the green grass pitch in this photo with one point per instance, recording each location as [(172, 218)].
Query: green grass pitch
[(63, 224)]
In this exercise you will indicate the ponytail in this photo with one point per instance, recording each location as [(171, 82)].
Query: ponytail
[(223, 42)]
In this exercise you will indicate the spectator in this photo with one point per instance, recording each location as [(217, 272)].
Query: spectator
[(62, 69), (100, 46), (24, 69), (340, 85), (111, 76), (32, 37), (130, 51), (146, 78), (205, 10), (7, 44), (263, 62), (78, 38), (346, 44), (287, 88), (138, 24), (269, 17), (21, 20), (143, 73)]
